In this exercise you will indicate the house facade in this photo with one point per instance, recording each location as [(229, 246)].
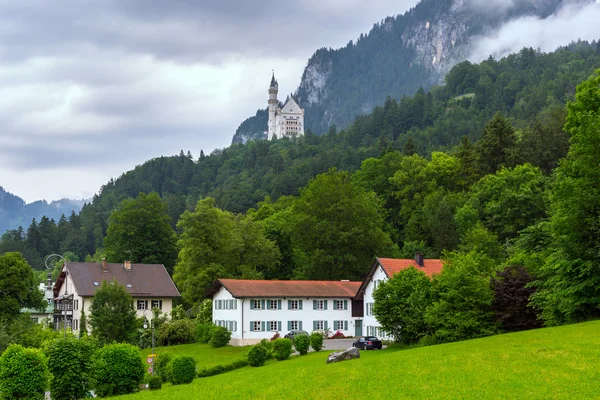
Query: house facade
[(149, 285), (254, 310), (382, 270)]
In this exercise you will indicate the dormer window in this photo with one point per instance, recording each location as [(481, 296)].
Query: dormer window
[(95, 283)]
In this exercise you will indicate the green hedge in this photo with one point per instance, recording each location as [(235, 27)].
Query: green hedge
[(302, 344), (257, 355), (23, 373), (282, 348), (117, 369), (221, 369), (316, 341), (183, 370)]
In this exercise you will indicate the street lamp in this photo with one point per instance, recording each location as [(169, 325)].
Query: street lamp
[(50, 291)]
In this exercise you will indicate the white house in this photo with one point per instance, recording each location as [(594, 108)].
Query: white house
[(256, 309), (149, 284), (381, 270)]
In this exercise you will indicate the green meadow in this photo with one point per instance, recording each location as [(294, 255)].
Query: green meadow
[(550, 363), (205, 355)]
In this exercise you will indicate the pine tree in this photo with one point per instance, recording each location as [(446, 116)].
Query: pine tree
[(497, 146), (83, 325)]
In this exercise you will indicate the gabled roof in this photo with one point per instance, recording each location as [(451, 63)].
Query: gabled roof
[(392, 266), (291, 106), (242, 288), (142, 280)]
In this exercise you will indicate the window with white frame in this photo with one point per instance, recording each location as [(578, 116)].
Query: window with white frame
[(272, 326), (319, 305), (273, 304), (338, 304), (294, 325), (157, 304), (338, 325), (256, 326), (319, 325), (141, 304), (294, 305), (369, 308), (256, 304)]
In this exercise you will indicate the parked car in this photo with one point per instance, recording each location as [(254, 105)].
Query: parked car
[(294, 333), (368, 342)]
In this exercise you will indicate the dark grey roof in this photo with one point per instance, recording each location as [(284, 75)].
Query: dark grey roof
[(273, 81), (142, 280)]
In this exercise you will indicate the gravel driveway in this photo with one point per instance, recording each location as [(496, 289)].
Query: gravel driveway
[(337, 344)]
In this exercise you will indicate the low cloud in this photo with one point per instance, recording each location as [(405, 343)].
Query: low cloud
[(570, 23)]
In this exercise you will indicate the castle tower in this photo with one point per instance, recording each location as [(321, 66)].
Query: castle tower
[(273, 106)]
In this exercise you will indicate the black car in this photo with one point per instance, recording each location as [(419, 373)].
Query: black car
[(294, 333), (368, 342)]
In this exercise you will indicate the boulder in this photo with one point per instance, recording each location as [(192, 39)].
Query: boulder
[(348, 354)]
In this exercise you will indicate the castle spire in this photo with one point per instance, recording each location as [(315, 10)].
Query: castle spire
[(273, 81)]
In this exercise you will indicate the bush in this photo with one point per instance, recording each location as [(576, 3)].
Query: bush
[(203, 333), (219, 337), (302, 344), (268, 345), (117, 369), (162, 366), (23, 373), (220, 369), (257, 355), (70, 362), (338, 335), (154, 382), (183, 370), (180, 331), (316, 341), (282, 348)]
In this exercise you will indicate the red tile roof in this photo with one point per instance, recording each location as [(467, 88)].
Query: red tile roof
[(392, 266), (263, 288)]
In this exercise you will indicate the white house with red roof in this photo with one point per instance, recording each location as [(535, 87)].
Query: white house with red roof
[(382, 270), (257, 309)]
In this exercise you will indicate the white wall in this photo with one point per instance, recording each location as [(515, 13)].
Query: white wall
[(244, 315), (370, 324)]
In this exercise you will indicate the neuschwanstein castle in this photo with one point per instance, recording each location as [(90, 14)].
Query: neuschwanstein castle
[(287, 121)]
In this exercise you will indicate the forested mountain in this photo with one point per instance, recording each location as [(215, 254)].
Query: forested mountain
[(530, 89), (14, 212), (397, 57)]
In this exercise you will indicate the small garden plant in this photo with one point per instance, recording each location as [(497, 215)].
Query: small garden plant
[(257, 355), (220, 336), (302, 344), (282, 349), (183, 370), (316, 341)]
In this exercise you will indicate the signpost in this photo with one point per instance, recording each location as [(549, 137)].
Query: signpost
[(150, 360)]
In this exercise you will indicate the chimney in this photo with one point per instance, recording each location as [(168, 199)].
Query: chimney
[(127, 265), (104, 266), (419, 259)]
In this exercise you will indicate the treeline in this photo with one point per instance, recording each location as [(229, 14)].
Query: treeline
[(530, 88)]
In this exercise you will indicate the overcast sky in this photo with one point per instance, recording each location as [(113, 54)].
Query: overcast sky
[(89, 89)]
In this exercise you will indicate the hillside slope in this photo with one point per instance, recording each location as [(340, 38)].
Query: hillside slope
[(550, 363), (399, 55)]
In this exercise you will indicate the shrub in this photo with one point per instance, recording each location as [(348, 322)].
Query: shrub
[(180, 331), (162, 366), (70, 363), (154, 382), (275, 336), (23, 373), (268, 345), (302, 344), (220, 369), (316, 341), (117, 369), (337, 335), (183, 370), (220, 336), (257, 355), (282, 348), (203, 332)]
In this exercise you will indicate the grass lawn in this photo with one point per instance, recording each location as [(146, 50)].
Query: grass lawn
[(551, 363), (205, 355)]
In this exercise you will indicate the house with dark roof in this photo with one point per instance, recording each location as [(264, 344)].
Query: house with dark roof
[(381, 270), (256, 309), (149, 284)]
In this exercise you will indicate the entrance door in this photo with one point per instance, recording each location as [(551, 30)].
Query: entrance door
[(358, 327)]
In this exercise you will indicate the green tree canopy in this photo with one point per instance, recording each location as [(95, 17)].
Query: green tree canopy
[(18, 286), (140, 231), (112, 316), (497, 146), (400, 305), (338, 228)]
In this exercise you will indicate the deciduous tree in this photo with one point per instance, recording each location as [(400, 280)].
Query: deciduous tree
[(112, 316)]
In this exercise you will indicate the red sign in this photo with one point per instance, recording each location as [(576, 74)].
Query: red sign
[(150, 370), (150, 360)]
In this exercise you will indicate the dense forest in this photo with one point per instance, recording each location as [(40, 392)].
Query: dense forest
[(467, 168)]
